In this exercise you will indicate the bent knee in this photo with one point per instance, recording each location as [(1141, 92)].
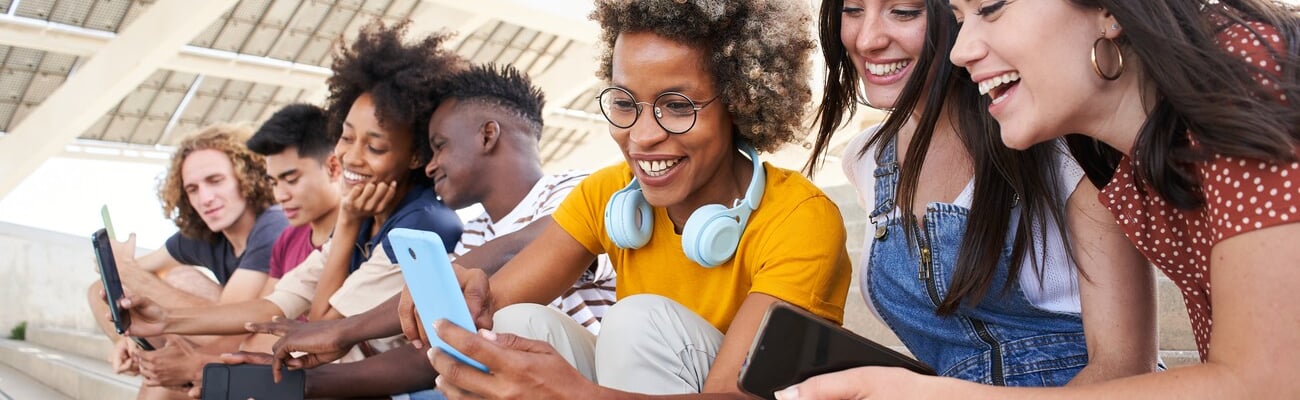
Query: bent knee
[(526, 319), (634, 312)]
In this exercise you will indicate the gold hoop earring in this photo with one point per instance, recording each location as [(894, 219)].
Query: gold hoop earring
[(1118, 55)]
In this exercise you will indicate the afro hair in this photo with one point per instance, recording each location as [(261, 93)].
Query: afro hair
[(403, 79), (759, 55)]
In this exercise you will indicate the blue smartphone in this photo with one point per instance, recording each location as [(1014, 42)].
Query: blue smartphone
[(433, 284)]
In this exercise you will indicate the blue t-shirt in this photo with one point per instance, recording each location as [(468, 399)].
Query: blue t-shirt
[(419, 209), (219, 256)]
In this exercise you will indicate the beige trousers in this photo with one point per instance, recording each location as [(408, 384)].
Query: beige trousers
[(647, 344)]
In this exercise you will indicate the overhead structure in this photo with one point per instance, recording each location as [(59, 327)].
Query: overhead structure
[(126, 79), (108, 75)]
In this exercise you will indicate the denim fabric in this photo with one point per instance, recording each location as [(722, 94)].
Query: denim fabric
[(1004, 340)]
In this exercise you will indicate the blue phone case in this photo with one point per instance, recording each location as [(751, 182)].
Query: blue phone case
[(433, 285)]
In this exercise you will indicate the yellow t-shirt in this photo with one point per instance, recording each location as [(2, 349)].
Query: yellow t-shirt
[(792, 249)]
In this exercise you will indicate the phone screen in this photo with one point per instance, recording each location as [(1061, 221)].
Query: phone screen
[(433, 284), (108, 222), (793, 345), (250, 381)]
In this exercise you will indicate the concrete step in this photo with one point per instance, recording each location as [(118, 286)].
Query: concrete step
[(15, 385), (1179, 358), (86, 344), (73, 375)]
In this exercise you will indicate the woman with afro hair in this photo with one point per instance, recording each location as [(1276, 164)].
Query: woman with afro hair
[(382, 93), (703, 236)]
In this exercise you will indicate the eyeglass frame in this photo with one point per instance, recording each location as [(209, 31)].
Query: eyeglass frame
[(695, 108)]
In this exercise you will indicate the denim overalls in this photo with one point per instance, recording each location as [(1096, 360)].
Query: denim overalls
[(1005, 340)]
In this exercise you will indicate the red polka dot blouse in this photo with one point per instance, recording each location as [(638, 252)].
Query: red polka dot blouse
[(1242, 195)]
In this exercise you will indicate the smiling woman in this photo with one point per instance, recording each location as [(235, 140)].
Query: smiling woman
[(1192, 109), (703, 238), (1024, 280)]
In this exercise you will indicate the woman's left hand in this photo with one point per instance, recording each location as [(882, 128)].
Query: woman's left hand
[(864, 383), (521, 368)]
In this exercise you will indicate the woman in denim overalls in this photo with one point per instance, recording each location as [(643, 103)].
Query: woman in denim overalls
[(1009, 312)]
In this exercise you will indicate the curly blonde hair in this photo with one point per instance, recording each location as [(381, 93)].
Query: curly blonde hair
[(250, 173), (758, 55)]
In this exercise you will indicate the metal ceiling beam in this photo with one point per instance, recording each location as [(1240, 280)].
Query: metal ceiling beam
[(68, 39), (118, 152), (529, 15), (101, 83)]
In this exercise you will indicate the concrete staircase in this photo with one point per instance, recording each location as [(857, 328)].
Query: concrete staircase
[(61, 364)]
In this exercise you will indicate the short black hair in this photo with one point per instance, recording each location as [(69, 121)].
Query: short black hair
[(403, 80), (302, 126), (501, 86)]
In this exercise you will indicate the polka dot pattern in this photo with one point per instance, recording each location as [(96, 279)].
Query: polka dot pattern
[(1253, 48), (1241, 195)]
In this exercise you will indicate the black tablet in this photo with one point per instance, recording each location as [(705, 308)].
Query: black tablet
[(250, 381), (793, 345)]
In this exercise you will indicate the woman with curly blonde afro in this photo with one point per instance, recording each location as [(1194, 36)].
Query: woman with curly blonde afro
[(704, 237)]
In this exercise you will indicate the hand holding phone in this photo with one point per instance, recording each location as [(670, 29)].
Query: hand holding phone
[(793, 345), (113, 285), (433, 285)]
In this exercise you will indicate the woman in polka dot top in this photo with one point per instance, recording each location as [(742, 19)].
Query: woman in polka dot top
[(1196, 102)]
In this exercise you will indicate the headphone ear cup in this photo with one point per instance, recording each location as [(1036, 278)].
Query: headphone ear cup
[(711, 235), (628, 219)]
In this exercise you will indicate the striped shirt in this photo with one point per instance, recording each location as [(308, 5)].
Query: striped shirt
[(592, 294)]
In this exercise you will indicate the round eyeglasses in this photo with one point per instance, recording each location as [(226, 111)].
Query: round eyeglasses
[(673, 111)]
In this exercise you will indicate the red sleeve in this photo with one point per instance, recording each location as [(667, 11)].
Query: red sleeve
[(1253, 48), (1244, 195), (277, 254)]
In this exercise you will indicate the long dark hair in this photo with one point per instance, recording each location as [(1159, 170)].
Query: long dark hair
[(1003, 177), (1203, 91)]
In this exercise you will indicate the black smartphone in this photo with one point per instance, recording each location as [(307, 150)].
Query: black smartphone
[(793, 345), (250, 381), (113, 285)]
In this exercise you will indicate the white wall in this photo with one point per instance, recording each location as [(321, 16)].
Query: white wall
[(43, 278)]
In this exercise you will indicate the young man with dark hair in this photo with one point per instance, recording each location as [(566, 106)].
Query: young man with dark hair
[(302, 170), (299, 149)]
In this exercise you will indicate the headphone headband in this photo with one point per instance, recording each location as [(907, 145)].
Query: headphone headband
[(754, 194)]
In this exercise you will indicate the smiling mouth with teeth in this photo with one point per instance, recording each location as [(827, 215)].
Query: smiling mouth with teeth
[(996, 87), (887, 69), (657, 168), (353, 176)]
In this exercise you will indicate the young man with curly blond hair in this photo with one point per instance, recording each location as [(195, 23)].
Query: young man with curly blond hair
[(216, 192)]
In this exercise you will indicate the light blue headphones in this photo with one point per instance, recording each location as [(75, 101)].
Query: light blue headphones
[(711, 233)]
